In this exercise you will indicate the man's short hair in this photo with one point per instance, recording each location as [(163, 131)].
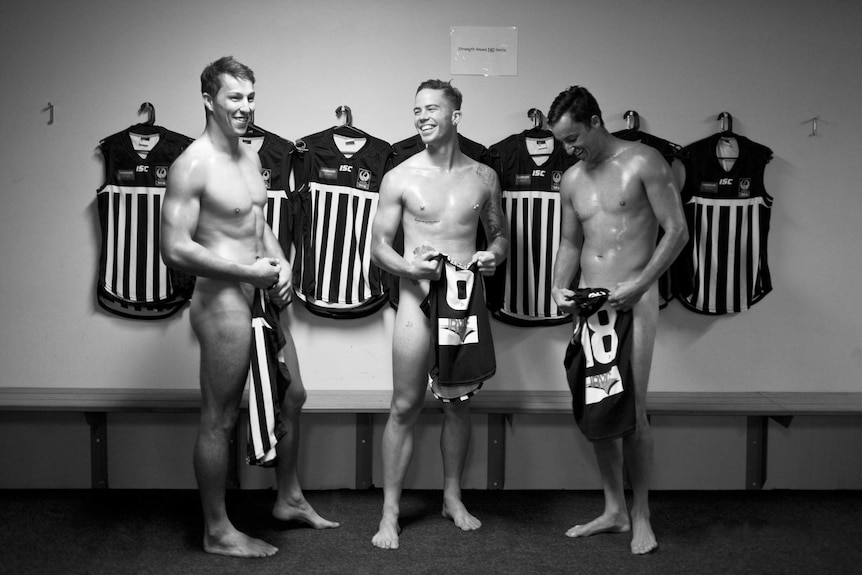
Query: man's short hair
[(450, 92), (578, 103), (211, 76)]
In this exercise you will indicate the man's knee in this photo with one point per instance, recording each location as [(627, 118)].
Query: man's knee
[(405, 408), (294, 399)]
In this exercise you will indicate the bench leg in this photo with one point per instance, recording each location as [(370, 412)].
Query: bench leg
[(98, 422), (756, 452), (496, 450), (364, 451)]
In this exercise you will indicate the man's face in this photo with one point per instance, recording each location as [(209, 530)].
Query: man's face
[(433, 115), (576, 137), (233, 105)]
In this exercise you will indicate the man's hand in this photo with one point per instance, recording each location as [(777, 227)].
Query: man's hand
[(565, 299), (282, 292), (265, 273), (625, 296), (486, 262), (426, 263)]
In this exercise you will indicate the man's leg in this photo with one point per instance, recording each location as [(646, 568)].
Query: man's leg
[(638, 446), (410, 376), (454, 444), (222, 324), (614, 518), (290, 504)]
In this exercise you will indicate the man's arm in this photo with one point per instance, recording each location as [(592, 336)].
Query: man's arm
[(282, 292), (180, 215), (387, 220), (664, 199), (568, 258), (494, 222)]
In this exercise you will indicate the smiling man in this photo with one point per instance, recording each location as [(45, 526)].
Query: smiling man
[(213, 227), (437, 197), (613, 203)]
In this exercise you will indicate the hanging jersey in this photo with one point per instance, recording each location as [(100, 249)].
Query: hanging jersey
[(333, 272), (133, 280), (276, 160), (598, 368), (461, 341), (669, 152), (268, 380), (724, 267), (519, 292), (413, 145)]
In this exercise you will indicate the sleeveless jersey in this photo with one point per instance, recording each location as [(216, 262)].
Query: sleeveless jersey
[(413, 145), (276, 160), (598, 368), (669, 152), (133, 280), (724, 267), (333, 272), (461, 341), (519, 293), (268, 380)]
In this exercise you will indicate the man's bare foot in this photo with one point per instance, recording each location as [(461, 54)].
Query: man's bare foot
[(456, 511), (387, 534), (605, 523), (643, 538), (301, 511), (237, 544)]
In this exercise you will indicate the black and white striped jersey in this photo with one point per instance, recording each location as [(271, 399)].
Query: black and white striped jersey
[(519, 292), (333, 272), (724, 267), (133, 280)]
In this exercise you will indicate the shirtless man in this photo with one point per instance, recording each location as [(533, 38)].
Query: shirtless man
[(213, 226), (438, 197), (614, 201)]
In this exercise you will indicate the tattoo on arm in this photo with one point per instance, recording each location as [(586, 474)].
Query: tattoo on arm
[(485, 174)]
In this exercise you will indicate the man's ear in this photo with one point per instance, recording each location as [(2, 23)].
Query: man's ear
[(456, 117), (595, 121), (208, 101)]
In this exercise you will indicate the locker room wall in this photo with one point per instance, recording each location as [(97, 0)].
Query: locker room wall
[(772, 65)]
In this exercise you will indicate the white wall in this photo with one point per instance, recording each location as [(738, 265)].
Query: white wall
[(771, 64)]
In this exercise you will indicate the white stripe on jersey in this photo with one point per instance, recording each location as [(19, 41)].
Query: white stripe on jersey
[(124, 204), (730, 229), (344, 214), (528, 274), (260, 393)]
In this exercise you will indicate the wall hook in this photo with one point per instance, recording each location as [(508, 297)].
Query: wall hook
[(50, 109), (813, 121)]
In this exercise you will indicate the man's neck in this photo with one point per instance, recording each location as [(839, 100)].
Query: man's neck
[(607, 148), (444, 154), (226, 143)]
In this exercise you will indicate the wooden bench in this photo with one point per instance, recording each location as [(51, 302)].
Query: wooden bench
[(500, 406)]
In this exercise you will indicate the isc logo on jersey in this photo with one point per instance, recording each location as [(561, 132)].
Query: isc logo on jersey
[(364, 181)]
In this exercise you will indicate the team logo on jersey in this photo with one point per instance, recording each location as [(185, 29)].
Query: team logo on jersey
[(161, 175), (327, 174), (267, 177), (364, 180), (556, 178), (523, 179), (709, 188), (744, 187)]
